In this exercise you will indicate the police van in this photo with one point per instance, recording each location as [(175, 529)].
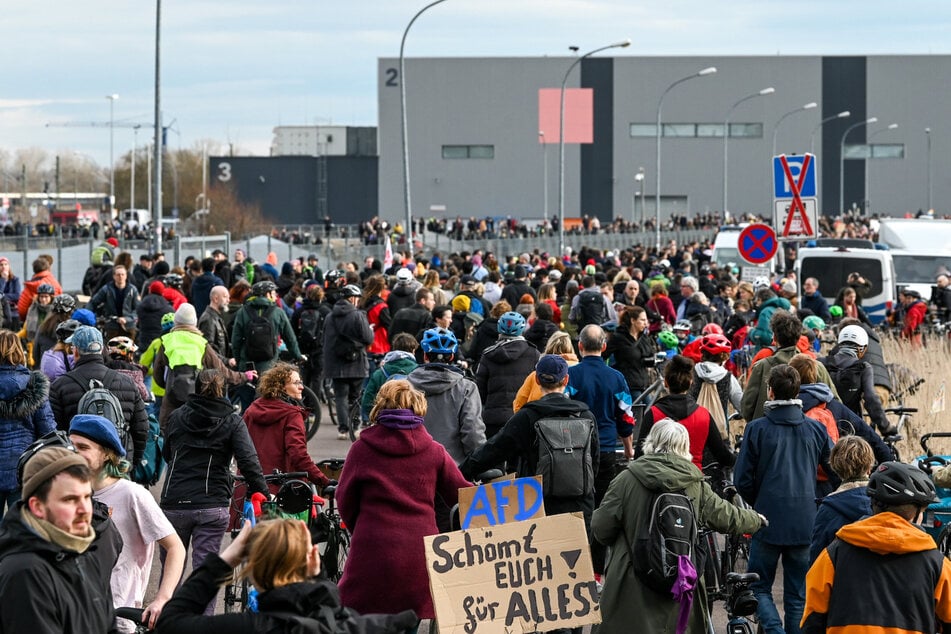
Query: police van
[(832, 265), (920, 248)]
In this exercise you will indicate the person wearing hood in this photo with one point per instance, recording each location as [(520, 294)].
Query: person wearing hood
[(201, 286), (883, 573), (149, 313), (399, 361), (623, 515), (201, 439), (874, 355), (404, 291), (347, 334), (394, 473), (714, 353), (767, 304), (854, 378), (775, 473), (502, 369), (560, 344)]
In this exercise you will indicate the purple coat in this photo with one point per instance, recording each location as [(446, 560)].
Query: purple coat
[(386, 493)]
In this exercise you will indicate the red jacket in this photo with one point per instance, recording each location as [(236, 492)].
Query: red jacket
[(29, 291), (914, 317), (277, 430), (379, 317)]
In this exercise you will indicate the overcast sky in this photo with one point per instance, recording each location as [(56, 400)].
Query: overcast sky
[(231, 71)]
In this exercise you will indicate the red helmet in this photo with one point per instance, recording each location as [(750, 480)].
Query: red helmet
[(715, 344), (712, 329)]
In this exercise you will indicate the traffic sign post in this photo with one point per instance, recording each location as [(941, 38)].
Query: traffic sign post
[(795, 208), (757, 244)]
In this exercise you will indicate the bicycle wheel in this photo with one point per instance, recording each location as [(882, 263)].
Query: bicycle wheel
[(312, 421), (944, 542), (356, 419), (328, 396), (236, 596), (336, 552)]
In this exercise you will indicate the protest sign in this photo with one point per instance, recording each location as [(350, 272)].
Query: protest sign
[(502, 500)]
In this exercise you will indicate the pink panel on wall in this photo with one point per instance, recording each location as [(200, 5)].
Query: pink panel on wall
[(579, 115)]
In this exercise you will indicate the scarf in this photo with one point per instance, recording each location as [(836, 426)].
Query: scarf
[(56, 535), (399, 419), (849, 351)]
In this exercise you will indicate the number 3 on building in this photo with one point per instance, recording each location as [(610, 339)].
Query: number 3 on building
[(224, 172)]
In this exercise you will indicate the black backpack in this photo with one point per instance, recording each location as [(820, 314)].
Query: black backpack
[(671, 530), (591, 308), (262, 339), (848, 383), (564, 456), (311, 330)]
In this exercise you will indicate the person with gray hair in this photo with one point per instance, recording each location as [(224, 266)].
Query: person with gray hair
[(688, 286), (624, 514)]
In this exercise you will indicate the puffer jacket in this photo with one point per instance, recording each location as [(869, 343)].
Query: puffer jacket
[(201, 438), (56, 363), (150, 312), (632, 357), (454, 412), (25, 415), (29, 291), (402, 296), (346, 321), (501, 371)]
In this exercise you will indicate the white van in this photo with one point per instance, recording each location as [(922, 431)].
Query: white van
[(726, 251), (832, 266), (920, 248)]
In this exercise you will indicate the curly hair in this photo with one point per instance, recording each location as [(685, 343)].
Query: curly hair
[(273, 382)]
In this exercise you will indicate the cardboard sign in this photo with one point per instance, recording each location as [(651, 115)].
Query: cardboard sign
[(526, 576), (507, 499)]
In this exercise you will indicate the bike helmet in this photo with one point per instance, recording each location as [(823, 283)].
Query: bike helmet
[(439, 341), (350, 290), (855, 335), (45, 289), (64, 303), (58, 438), (333, 277), (761, 282), (712, 329), (814, 322), (682, 324), (896, 483), (715, 344), (835, 311), (668, 339), (122, 346), (511, 324), (66, 329), (168, 320), (260, 289), (174, 280)]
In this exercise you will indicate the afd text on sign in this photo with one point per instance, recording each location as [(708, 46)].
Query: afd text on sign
[(807, 181)]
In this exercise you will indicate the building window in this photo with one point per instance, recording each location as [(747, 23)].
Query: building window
[(748, 130), (643, 129), (699, 130), (710, 130), (468, 151), (875, 151)]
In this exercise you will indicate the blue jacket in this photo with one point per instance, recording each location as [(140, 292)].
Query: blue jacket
[(817, 304), (201, 291), (604, 390), (811, 394), (779, 457), (25, 415), (837, 510)]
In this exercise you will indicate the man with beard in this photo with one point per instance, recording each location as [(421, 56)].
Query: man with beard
[(212, 325)]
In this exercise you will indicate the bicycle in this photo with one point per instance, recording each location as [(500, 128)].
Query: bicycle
[(333, 557), (936, 520), (134, 615), (739, 602)]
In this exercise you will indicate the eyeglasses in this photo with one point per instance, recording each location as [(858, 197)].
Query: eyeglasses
[(299, 383)]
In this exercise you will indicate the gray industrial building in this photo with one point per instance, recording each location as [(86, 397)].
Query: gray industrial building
[(474, 133)]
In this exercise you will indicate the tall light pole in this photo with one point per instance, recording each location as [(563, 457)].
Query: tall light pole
[(845, 114), (561, 142), (808, 106), (868, 144), (406, 193), (639, 177), (928, 136), (726, 137), (135, 143), (658, 132), (541, 137), (842, 160), (112, 163), (157, 143)]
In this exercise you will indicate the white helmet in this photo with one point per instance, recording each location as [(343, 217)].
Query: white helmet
[(761, 282), (854, 335)]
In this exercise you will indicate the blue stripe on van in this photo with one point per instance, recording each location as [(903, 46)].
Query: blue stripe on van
[(875, 312)]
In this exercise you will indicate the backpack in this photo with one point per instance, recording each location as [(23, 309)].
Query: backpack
[(475, 306), (709, 399), (346, 349), (180, 382), (262, 339), (671, 531), (848, 383), (311, 330), (591, 309), (822, 414), (564, 456), (148, 471), (697, 322), (101, 401)]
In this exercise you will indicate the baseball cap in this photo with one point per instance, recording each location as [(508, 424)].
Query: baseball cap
[(467, 280), (551, 369), (86, 339), (554, 275)]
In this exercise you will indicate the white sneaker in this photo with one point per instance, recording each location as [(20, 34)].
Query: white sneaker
[(342, 436)]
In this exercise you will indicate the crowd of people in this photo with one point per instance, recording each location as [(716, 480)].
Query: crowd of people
[(458, 364)]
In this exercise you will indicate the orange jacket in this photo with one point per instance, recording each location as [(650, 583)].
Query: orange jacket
[(29, 290)]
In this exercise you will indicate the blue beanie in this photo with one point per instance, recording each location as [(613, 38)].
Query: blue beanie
[(84, 316), (98, 429)]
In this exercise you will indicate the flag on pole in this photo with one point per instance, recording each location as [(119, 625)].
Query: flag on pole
[(388, 255)]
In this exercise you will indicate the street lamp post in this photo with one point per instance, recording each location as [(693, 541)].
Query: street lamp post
[(639, 177), (660, 105), (726, 137), (868, 185), (808, 106), (541, 136), (112, 165), (812, 135), (928, 136), (842, 159), (135, 142), (157, 143), (406, 188), (561, 142)]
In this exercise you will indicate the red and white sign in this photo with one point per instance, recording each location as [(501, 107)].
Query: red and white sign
[(797, 218)]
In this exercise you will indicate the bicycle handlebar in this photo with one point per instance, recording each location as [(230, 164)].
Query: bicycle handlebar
[(277, 477)]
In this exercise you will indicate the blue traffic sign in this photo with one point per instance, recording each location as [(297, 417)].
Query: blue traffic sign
[(806, 182)]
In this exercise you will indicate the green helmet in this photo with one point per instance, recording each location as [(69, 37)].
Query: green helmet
[(814, 322), (835, 311), (168, 320), (668, 339)]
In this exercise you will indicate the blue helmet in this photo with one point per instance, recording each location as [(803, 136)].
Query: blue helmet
[(511, 324), (439, 341)]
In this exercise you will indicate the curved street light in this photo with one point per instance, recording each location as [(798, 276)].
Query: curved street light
[(726, 136), (812, 135), (561, 142), (406, 193), (112, 163), (868, 144), (842, 159), (657, 132), (928, 137), (808, 106)]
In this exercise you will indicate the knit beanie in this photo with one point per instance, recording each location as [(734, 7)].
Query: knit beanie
[(461, 303), (185, 315), (45, 464)]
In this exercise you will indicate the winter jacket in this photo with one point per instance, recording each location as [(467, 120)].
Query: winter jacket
[(29, 291), (849, 503), (346, 321), (728, 388), (201, 291), (413, 320), (56, 363), (150, 312), (874, 356), (761, 335), (239, 333), (391, 479), (402, 296), (11, 289), (811, 394), (531, 390), (485, 336), (754, 396), (378, 314), (501, 371), (316, 598), (780, 455), (866, 394), (539, 333), (212, 328), (201, 438), (47, 589), (394, 362), (105, 303), (623, 515), (517, 443), (66, 391), (25, 415), (705, 436), (631, 357), (817, 304), (276, 427), (605, 392), (664, 308), (513, 292), (454, 412), (881, 574)]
